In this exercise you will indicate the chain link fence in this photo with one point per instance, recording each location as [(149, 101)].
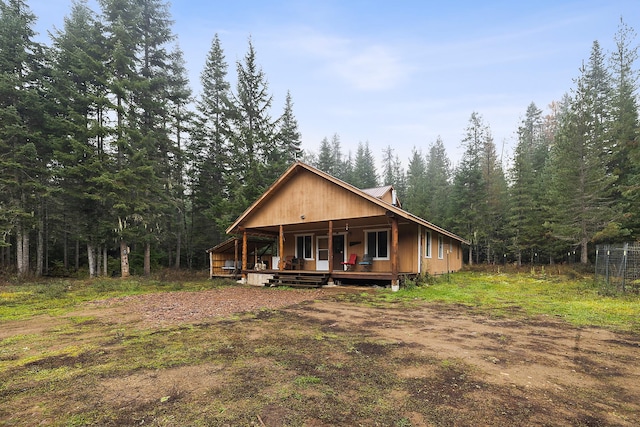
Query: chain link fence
[(619, 266)]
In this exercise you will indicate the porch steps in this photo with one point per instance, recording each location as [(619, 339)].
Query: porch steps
[(299, 279)]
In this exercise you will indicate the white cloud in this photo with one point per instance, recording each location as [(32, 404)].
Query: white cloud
[(361, 65)]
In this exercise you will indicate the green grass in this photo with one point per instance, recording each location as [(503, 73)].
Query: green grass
[(579, 301), (58, 296), (277, 366)]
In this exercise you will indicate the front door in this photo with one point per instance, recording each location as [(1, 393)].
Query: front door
[(322, 255), (338, 251)]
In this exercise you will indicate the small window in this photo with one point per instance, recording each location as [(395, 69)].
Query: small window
[(303, 247), (440, 247), (378, 244), (427, 244)]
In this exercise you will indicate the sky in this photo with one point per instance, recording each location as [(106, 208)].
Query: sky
[(401, 73)]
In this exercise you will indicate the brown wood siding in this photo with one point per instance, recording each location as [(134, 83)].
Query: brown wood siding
[(451, 256), (309, 196)]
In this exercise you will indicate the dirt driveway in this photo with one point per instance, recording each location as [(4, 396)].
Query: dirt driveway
[(446, 365)]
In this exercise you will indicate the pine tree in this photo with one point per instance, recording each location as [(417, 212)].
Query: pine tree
[(288, 140), (364, 170), (527, 190), (25, 150), (393, 173), (79, 84), (581, 186), (416, 199), (625, 154), (254, 138), (469, 193), (179, 121), (437, 184), (209, 148)]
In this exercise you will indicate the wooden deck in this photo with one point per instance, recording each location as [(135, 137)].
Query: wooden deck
[(316, 279)]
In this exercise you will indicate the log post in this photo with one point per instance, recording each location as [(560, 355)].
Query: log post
[(281, 248), (395, 285), (244, 254), (330, 246)]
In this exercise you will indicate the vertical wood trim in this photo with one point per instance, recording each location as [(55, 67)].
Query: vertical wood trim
[(394, 248), (210, 265), (330, 246), (244, 253), (281, 248)]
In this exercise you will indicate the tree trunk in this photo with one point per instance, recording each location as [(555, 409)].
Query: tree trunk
[(77, 254), (124, 259), (40, 249), (104, 260), (147, 259), (19, 258), (98, 260), (178, 245), (91, 257), (584, 254)]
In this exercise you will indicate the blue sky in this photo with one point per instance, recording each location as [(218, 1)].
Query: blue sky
[(397, 73)]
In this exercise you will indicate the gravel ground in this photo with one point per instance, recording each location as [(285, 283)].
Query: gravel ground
[(168, 308)]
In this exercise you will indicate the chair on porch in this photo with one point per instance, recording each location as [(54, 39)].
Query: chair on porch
[(297, 264), (288, 262), (351, 262), (367, 262)]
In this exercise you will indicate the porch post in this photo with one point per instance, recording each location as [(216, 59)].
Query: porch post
[(281, 248), (395, 285), (244, 254), (235, 255), (330, 248)]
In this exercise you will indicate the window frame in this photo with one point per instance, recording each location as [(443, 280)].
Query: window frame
[(440, 247), (377, 232), (304, 250), (428, 250)]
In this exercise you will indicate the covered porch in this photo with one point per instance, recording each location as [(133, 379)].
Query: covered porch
[(356, 250)]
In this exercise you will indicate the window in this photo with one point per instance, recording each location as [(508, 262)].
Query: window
[(440, 247), (378, 244), (427, 244), (303, 247)]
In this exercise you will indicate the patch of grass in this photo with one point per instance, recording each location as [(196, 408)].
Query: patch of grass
[(578, 300), (58, 296)]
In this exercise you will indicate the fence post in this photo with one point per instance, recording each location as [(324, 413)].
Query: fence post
[(597, 250), (624, 266), (606, 266)]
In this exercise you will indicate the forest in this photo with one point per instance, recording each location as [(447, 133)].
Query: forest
[(110, 164)]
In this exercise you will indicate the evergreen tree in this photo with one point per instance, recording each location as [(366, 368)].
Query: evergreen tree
[(325, 159), (79, 84), (139, 32), (393, 173), (209, 148), (625, 154), (25, 150), (469, 193), (437, 183), (254, 137), (288, 140), (416, 200), (364, 169), (178, 123), (581, 186)]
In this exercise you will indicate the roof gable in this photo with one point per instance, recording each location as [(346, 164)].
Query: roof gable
[(304, 194)]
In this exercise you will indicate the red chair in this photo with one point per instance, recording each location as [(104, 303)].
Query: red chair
[(351, 263)]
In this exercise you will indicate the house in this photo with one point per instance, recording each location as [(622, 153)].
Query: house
[(325, 230)]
